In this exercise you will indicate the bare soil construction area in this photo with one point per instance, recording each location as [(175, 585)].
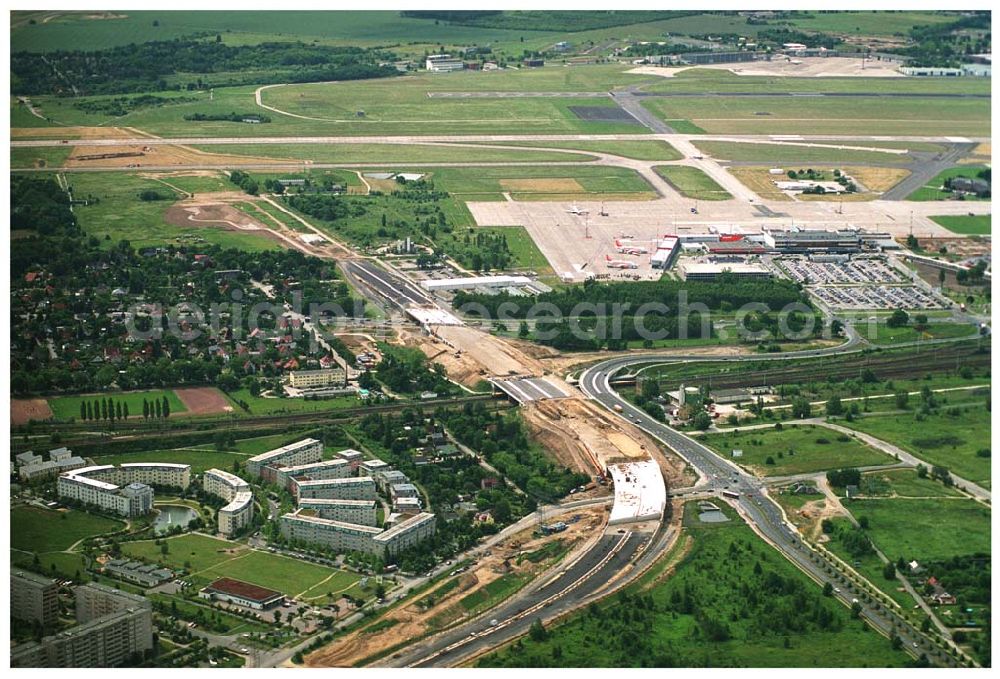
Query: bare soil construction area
[(24, 410), (158, 155), (800, 67), (203, 401), (431, 612)]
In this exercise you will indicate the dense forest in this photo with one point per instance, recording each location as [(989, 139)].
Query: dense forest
[(147, 67), (41, 206), (547, 20)]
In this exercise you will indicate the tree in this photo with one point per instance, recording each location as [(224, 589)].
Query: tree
[(834, 407), (801, 408), (145, 409), (898, 319), (118, 411), (523, 331), (277, 617), (166, 407), (827, 589), (157, 408), (702, 421), (125, 409), (855, 610), (921, 471), (165, 548), (889, 571), (902, 399), (83, 410), (863, 522), (827, 526), (537, 631)]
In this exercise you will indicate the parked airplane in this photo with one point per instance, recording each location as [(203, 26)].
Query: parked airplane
[(620, 263), (631, 249), (577, 210)]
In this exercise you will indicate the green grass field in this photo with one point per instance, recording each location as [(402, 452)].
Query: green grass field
[(120, 215), (276, 406), (393, 153), (939, 439), (906, 483), (784, 153), (594, 181), (39, 157), (692, 182), (68, 564), (966, 225), (795, 449), (932, 189), (200, 551), (840, 115), (65, 407), (886, 335), (654, 149), (42, 530), (199, 459), (287, 575), (925, 529), (702, 616), (526, 254)]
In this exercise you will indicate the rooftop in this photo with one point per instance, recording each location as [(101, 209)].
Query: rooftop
[(242, 589)]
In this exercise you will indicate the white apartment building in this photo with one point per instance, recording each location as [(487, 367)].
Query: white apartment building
[(406, 534), (362, 512), (335, 535), (328, 469), (239, 512), (357, 488), (300, 452), (85, 485)]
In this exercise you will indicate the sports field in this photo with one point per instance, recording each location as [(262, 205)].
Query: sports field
[(65, 407), (692, 182), (795, 449), (828, 115), (43, 530), (942, 438), (212, 558), (967, 225)]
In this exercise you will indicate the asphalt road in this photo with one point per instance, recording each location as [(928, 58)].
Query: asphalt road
[(562, 593), (747, 493), (393, 288)]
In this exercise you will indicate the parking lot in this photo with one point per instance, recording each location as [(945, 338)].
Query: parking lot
[(876, 297), (851, 272)]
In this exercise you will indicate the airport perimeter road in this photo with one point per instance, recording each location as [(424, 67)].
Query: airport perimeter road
[(748, 495), (562, 593)]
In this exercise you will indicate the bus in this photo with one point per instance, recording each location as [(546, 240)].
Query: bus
[(731, 494)]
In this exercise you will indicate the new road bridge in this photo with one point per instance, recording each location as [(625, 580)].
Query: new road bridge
[(748, 494)]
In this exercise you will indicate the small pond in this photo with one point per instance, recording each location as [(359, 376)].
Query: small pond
[(172, 515)]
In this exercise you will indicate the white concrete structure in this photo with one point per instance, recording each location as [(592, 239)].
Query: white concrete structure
[(640, 493), (706, 271), (91, 485), (239, 512), (443, 63), (472, 282), (300, 452)]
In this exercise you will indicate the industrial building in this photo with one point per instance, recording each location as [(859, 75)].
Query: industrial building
[(242, 594), (485, 283), (443, 63), (33, 598), (711, 270), (300, 452), (362, 512), (808, 240), (239, 512), (666, 252), (356, 488), (85, 485), (115, 628)]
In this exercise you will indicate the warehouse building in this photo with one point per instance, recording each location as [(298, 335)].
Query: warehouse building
[(361, 512), (242, 594), (239, 512), (666, 251), (443, 63), (84, 485), (33, 598), (356, 488), (300, 452)]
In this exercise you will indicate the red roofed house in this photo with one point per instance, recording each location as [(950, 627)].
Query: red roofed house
[(242, 594)]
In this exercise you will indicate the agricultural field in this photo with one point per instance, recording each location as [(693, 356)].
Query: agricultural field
[(42, 530), (840, 115), (24, 158), (886, 335), (794, 449), (932, 189), (966, 225), (942, 438), (692, 182), (701, 616), (66, 407)]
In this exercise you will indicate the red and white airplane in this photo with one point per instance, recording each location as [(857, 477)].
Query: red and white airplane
[(625, 249), (620, 263)]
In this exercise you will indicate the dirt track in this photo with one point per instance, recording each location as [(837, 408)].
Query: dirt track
[(203, 401), (23, 410)]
